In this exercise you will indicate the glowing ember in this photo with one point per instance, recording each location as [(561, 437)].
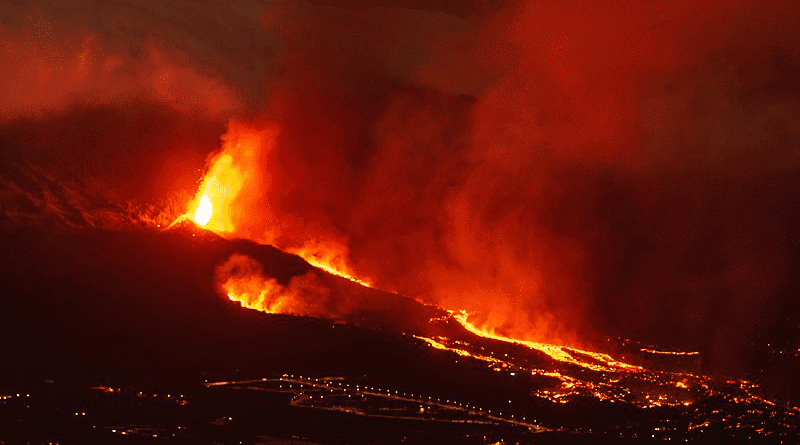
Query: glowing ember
[(204, 211)]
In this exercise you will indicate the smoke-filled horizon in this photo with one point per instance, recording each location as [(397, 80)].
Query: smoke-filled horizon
[(564, 169)]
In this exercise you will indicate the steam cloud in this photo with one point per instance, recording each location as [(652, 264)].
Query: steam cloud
[(564, 168)]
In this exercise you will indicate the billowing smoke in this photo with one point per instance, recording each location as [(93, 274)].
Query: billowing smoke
[(565, 169), (49, 70), (242, 278), (119, 97)]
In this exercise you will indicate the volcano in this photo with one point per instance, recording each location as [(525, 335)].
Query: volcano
[(399, 221), (124, 335)]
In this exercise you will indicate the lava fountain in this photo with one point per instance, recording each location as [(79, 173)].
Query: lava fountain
[(204, 211), (226, 192)]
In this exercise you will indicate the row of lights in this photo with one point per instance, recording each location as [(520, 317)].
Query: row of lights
[(379, 392)]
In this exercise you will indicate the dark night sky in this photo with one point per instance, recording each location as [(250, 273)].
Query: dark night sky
[(567, 168)]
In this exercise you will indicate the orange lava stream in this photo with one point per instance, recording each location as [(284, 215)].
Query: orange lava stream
[(328, 267), (605, 387), (560, 353)]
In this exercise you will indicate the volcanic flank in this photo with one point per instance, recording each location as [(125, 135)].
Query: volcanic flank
[(361, 222)]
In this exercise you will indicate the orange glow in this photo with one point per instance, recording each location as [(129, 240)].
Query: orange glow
[(602, 382), (226, 194), (330, 259), (603, 362), (228, 172), (335, 271), (241, 280)]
